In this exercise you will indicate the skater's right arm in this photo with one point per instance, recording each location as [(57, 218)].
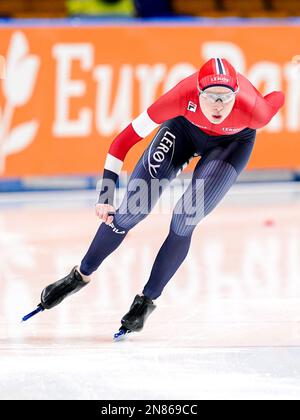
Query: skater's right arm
[(167, 106)]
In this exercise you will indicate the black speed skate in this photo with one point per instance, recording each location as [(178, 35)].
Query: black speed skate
[(56, 292), (135, 319)]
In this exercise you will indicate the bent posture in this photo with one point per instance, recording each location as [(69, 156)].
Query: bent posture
[(211, 115)]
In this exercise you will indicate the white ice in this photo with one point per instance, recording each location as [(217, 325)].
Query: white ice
[(226, 327)]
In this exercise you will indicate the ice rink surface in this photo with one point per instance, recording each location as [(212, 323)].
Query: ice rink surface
[(227, 325)]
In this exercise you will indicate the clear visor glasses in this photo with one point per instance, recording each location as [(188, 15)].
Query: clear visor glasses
[(214, 97)]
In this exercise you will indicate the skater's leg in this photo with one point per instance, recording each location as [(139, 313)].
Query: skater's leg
[(168, 152), (160, 163), (107, 240), (218, 170), (169, 258)]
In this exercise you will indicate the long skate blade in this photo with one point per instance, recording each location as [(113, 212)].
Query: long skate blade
[(31, 314), (121, 334)]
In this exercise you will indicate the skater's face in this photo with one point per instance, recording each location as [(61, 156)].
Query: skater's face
[(216, 103)]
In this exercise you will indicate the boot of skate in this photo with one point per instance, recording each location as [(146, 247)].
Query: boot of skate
[(56, 292), (139, 311)]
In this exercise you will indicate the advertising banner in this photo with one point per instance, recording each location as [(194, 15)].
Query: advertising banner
[(68, 91)]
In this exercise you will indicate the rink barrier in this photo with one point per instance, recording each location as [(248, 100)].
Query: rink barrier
[(80, 21)]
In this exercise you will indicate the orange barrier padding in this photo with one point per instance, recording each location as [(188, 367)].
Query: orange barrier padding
[(67, 91)]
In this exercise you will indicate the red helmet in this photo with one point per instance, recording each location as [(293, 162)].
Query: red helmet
[(217, 72)]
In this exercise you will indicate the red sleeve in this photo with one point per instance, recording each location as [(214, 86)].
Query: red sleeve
[(265, 108), (164, 108), (168, 105), (124, 142)]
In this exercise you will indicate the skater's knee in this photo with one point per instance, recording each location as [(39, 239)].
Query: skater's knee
[(128, 220), (183, 223), (133, 209), (183, 229)]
